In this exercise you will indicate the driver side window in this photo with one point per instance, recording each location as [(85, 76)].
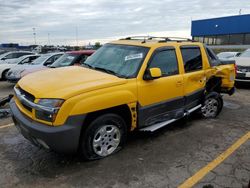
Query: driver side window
[(165, 60)]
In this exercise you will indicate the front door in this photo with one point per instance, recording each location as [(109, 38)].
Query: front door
[(161, 99)]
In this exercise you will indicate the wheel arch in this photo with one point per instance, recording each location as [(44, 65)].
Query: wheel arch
[(3, 72), (213, 84), (122, 110)]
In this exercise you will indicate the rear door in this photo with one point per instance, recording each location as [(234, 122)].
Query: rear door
[(194, 77)]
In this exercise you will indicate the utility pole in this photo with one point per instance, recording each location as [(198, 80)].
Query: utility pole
[(34, 34), (76, 36)]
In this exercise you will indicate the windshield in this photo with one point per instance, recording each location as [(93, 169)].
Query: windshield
[(40, 60), (120, 60), (245, 54), (65, 60)]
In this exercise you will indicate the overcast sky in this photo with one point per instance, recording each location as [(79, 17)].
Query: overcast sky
[(103, 20)]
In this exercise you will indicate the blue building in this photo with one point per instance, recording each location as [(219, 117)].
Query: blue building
[(231, 30)]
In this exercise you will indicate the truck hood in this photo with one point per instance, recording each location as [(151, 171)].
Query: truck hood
[(67, 82), (242, 61)]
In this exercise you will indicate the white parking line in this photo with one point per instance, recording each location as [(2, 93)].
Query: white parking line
[(5, 126)]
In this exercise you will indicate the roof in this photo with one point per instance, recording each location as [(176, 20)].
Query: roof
[(154, 41), (220, 26), (86, 52)]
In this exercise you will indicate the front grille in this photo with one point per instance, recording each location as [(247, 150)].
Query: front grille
[(28, 96), (243, 68)]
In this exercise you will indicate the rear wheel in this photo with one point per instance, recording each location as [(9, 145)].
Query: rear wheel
[(212, 105), (103, 137)]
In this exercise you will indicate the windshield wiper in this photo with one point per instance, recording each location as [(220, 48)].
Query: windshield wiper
[(103, 70), (109, 72), (89, 66)]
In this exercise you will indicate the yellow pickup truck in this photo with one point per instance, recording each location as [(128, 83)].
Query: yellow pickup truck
[(136, 83)]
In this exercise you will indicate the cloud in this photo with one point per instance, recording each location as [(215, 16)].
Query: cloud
[(104, 19)]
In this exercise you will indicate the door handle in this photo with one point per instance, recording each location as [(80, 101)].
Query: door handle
[(179, 83)]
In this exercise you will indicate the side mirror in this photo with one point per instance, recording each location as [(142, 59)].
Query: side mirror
[(152, 73), (47, 63)]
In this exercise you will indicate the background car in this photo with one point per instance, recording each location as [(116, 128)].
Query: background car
[(243, 67), (2, 52), (7, 65), (72, 58), (227, 55), (10, 57), (44, 60)]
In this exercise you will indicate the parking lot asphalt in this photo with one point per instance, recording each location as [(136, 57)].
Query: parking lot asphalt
[(167, 158)]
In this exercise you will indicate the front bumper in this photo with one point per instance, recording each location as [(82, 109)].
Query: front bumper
[(242, 77), (12, 78), (62, 139)]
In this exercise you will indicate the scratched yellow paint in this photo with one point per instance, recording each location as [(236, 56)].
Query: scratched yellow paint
[(205, 170)]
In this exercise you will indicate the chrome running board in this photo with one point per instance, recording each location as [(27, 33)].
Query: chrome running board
[(157, 126)]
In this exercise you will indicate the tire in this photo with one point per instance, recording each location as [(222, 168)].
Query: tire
[(212, 105), (103, 137), (4, 75)]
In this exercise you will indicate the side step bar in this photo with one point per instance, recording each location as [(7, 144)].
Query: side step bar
[(157, 126)]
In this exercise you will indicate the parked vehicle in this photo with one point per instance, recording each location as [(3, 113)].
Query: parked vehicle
[(2, 52), (18, 71), (129, 84), (68, 59), (243, 67), (228, 55), (5, 67), (10, 57), (75, 58)]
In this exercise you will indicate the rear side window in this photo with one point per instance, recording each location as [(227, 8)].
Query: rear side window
[(192, 59), (165, 60), (213, 60)]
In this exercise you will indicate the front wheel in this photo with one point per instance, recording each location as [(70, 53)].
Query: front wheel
[(103, 137), (212, 105), (4, 75)]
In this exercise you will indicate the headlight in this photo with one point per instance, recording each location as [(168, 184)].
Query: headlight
[(48, 109)]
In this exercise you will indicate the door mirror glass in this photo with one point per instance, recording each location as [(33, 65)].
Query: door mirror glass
[(152, 73)]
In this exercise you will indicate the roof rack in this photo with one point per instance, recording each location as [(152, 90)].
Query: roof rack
[(160, 39)]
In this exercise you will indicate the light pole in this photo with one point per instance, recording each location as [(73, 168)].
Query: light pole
[(76, 36), (34, 34), (48, 38)]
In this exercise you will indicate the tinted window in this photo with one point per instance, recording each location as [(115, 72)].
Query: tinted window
[(165, 60), (191, 58)]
